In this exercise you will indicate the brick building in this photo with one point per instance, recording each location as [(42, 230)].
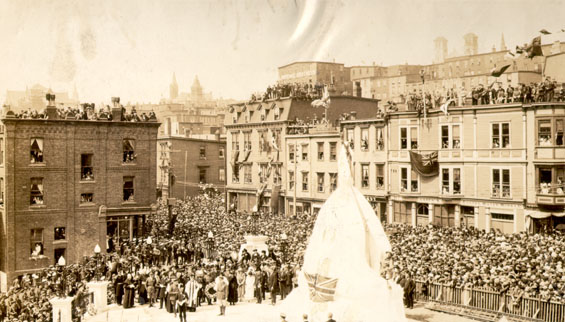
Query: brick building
[(68, 184), (194, 163), (314, 72)]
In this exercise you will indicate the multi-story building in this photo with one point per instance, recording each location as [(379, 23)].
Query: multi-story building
[(196, 164), (314, 72), (498, 166), (67, 185), (258, 138), (33, 98), (367, 139)]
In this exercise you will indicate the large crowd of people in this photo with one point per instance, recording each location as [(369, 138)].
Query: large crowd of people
[(521, 265), (89, 112), (191, 257), (307, 91)]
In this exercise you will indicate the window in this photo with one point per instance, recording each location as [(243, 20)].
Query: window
[(504, 217), (1, 151), (221, 174), (36, 150), (333, 151), (277, 113), (291, 152), (290, 180), (351, 138), (501, 135), (247, 174), (36, 242), (263, 144), (235, 141), (408, 138), (202, 175), (364, 176), (128, 189), (36, 191), (456, 181), (550, 179), (86, 198), (365, 139), (263, 168), (445, 136), (380, 176), (247, 141), (320, 151), (500, 183), (277, 177), (129, 151), (235, 173), (304, 181), (333, 181), (60, 233), (445, 183), (544, 132), (558, 132), (202, 152), (277, 136), (86, 169), (422, 210), (408, 177), (221, 153), (380, 141), (1, 191), (320, 182), (304, 152)]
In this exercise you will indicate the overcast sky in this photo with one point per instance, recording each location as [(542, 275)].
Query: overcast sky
[(130, 48)]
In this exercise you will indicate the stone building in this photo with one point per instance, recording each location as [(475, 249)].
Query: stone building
[(68, 184)]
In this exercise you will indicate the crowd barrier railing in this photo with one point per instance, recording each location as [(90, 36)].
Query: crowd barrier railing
[(488, 300)]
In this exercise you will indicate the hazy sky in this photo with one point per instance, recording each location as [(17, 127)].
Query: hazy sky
[(131, 48)]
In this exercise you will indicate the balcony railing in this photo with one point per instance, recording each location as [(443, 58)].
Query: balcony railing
[(551, 194)]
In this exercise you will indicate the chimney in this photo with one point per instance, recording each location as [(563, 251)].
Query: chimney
[(50, 110), (116, 110)]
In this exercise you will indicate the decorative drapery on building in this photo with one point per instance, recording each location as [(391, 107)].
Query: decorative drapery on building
[(322, 289)]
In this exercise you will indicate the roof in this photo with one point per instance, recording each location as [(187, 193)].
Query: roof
[(310, 62)]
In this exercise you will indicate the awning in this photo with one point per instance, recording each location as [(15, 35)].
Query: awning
[(540, 215)]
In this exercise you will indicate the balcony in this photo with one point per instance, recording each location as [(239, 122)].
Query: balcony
[(551, 195)]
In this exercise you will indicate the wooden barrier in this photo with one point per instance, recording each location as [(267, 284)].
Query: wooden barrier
[(488, 300)]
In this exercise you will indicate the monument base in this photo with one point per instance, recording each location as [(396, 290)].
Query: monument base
[(100, 291), (253, 242), (62, 309)]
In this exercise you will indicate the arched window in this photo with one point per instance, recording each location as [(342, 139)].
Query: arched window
[(422, 210)]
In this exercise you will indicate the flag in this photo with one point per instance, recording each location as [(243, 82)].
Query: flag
[(496, 72), (445, 106), (426, 165), (324, 101), (275, 198), (322, 289), (545, 32), (534, 49)]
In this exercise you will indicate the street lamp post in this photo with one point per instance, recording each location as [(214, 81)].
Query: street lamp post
[(210, 243), (97, 256), (61, 265)]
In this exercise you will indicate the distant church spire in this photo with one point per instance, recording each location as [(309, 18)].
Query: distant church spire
[(174, 88), (502, 43)]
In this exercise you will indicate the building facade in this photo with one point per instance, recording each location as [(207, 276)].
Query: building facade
[(258, 138), (196, 164), (314, 72), (68, 185)]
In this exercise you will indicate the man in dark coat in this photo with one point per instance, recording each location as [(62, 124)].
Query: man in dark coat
[(409, 286), (273, 285)]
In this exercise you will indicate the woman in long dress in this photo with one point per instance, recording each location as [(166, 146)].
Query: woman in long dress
[(232, 288), (250, 285), (129, 293), (240, 275)]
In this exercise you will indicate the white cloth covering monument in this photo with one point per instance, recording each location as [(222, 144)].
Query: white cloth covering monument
[(341, 270)]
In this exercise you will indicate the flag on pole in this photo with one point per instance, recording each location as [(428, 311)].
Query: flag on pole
[(324, 101), (545, 32), (496, 72), (445, 106)]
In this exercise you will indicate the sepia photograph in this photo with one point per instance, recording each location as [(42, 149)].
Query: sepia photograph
[(282, 161)]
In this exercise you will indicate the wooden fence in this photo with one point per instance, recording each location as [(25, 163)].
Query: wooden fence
[(492, 301)]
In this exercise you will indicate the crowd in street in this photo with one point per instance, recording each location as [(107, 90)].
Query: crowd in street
[(192, 259), (521, 265)]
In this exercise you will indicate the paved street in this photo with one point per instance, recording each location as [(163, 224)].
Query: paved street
[(240, 313)]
